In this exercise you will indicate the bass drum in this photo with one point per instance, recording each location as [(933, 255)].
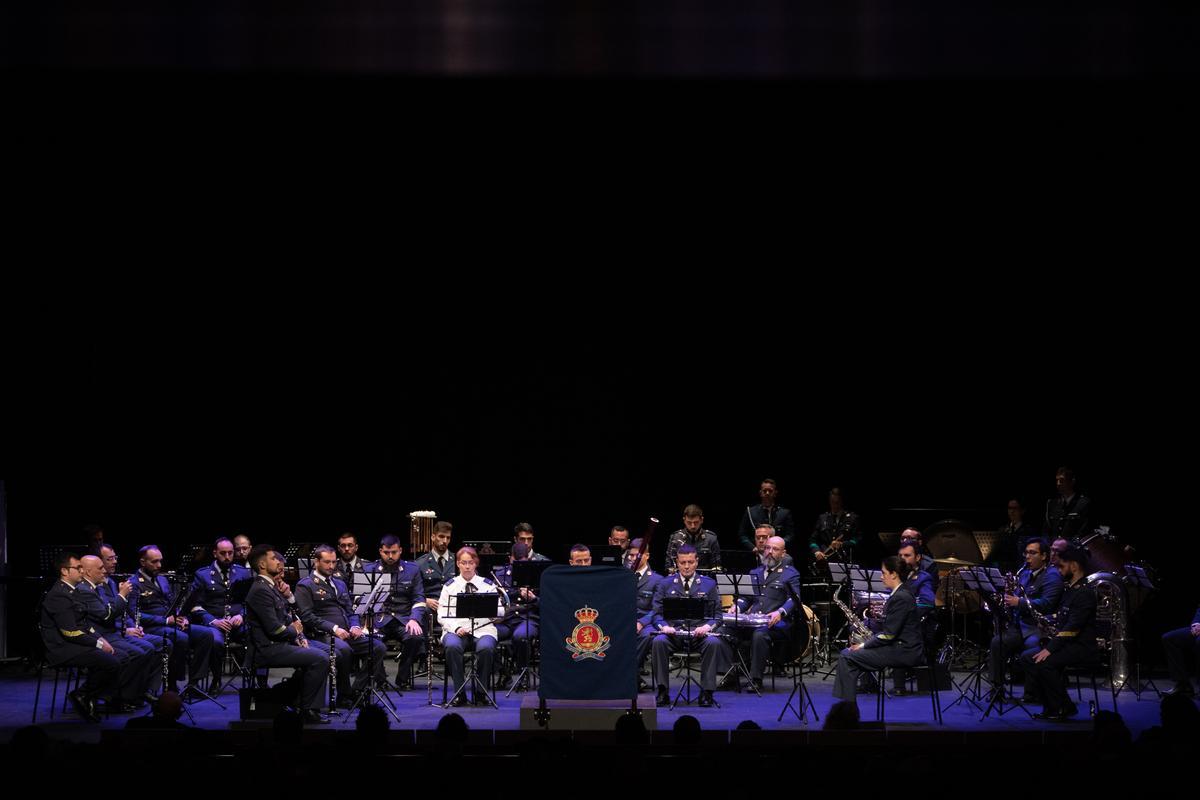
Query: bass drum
[(805, 635)]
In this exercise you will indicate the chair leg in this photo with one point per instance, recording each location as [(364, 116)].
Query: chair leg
[(37, 693)]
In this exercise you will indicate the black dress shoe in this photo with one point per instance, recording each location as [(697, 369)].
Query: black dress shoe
[(83, 706), (706, 698), (313, 717), (663, 698)]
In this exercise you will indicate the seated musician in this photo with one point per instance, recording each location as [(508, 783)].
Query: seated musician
[(920, 584), (325, 606), (216, 601), (404, 611), (671, 633), (276, 638), (776, 589), (898, 642), (437, 566), (647, 582), (460, 634), (1182, 647), (1072, 642), (521, 617), (1041, 588)]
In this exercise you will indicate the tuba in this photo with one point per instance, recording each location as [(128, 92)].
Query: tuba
[(1111, 627)]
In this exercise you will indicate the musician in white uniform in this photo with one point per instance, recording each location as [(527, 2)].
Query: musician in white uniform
[(460, 634)]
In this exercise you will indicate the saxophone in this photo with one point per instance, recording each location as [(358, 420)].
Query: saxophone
[(859, 632)]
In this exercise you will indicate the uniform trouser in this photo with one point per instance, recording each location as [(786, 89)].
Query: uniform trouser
[(141, 667), (854, 663), (1183, 655), (103, 671), (410, 646), (312, 661), (485, 650), (1048, 678), (644, 640), (760, 647), (712, 649), (190, 651), (522, 634), (1012, 642), (370, 650)]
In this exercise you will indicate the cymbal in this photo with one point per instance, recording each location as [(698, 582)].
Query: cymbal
[(955, 562)]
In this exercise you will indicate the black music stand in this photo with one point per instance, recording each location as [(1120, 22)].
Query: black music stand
[(372, 603), (798, 686), (473, 606), (685, 609), (181, 591), (527, 575), (607, 555)]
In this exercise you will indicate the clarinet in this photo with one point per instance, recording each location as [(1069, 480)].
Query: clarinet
[(332, 673)]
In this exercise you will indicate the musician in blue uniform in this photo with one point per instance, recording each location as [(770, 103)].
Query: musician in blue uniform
[(460, 634), (523, 533), (521, 616), (404, 610), (277, 635), (71, 641), (1182, 647), (1042, 590), (897, 643), (217, 600), (776, 589), (1073, 642), (153, 602), (114, 594), (141, 669), (348, 561), (647, 583), (927, 564), (767, 513), (437, 566), (325, 606), (669, 633)]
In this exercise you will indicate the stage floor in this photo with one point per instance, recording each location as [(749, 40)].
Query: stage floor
[(908, 712)]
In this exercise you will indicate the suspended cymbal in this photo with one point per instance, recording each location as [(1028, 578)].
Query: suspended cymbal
[(955, 562)]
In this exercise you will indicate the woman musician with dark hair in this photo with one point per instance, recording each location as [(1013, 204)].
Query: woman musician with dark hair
[(897, 643)]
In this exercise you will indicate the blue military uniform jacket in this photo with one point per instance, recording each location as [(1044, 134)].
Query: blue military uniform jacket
[(109, 593), (216, 594), (101, 613), (647, 583), (64, 622), (324, 603), (526, 609), (152, 597), (922, 587), (406, 602), (434, 577), (775, 591), (1043, 591), (702, 586)]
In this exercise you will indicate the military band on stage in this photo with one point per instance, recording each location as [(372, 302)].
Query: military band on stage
[(145, 633)]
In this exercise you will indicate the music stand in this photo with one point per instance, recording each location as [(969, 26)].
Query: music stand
[(48, 555), (685, 610), (372, 603), (473, 606), (192, 557), (609, 555), (488, 564)]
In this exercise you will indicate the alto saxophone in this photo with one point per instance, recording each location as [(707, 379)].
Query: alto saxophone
[(859, 632)]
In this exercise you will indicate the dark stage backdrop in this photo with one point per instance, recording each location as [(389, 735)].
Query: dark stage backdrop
[(297, 438)]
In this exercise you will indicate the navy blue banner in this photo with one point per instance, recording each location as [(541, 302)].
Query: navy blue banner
[(589, 633)]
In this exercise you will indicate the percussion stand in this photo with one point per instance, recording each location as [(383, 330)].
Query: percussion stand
[(739, 663)]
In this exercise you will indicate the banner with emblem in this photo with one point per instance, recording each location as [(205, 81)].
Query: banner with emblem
[(589, 633)]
